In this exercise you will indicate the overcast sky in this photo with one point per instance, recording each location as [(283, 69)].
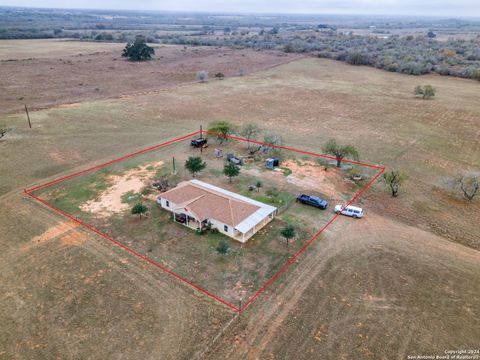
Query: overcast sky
[(447, 8)]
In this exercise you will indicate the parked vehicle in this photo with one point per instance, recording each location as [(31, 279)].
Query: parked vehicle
[(181, 218), (313, 201), (234, 159), (201, 142), (349, 210)]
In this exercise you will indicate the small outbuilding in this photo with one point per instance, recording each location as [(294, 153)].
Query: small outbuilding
[(272, 163)]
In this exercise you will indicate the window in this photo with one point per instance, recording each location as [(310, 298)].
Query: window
[(167, 203), (225, 228)]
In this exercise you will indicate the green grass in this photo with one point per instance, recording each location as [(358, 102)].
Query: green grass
[(68, 196)]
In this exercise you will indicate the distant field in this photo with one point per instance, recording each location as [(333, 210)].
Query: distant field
[(51, 48), (402, 281), (74, 71)]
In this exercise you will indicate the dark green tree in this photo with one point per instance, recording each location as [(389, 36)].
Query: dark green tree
[(222, 247), (139, 209), (231, 170), (340, 152), (138, 50), (195, 164), (288, 232)]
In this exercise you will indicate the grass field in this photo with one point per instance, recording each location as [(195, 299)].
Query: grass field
[(402, 281)]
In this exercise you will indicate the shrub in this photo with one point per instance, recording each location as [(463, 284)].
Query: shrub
[(139, 209), (358, 59), (476, 76), (202, 76), (426, 92), (222, 247)]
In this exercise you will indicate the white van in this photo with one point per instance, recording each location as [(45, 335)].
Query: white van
[(349, 210)]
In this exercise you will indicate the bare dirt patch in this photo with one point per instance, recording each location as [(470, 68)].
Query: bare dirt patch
[(110, 201), (305, 176), (50, 234), (308, 175), (73, 238)]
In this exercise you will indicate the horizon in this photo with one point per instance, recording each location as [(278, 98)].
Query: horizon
[(393, 8)]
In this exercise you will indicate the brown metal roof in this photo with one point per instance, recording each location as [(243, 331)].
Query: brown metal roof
[(209, 204)]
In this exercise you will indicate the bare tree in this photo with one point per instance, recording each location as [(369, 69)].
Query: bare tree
[(268, 140), (469, 184), (250, 132)]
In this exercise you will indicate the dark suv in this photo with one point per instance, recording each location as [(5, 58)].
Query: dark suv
[(198, 142), (312, 201)]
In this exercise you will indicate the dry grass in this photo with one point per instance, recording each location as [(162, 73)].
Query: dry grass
[(75, 71), (51, 48), (383, 287)]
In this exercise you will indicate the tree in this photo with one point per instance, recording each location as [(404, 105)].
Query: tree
[(220, 75), (202, 76), (249, 131), (426, 92), (394, 179), (231, 170), (139, 209), (138, 50), (3, 132), (476, 75), (469, 184), (431, 34), (340, 152), (222, 247), (258, 185), (195, 164), (357, 58), (274, 30), (288, 232), (222, 128)]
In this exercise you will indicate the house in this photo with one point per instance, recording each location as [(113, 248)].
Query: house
[(195, 203)]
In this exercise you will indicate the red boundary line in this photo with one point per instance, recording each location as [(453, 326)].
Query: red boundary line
[(291, 149), (252, 298), (113, 161)]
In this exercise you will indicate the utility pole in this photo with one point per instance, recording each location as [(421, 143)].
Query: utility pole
[(201, 137), (174, 167), (28, 117)]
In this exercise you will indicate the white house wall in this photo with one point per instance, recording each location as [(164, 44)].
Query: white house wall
[(232, 232)]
